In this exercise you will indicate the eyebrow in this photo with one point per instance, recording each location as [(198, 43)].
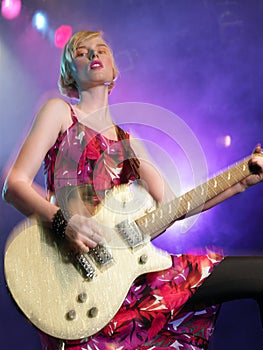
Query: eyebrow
[(85, 47)]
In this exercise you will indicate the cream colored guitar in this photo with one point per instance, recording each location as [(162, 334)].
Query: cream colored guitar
[(73, 297)]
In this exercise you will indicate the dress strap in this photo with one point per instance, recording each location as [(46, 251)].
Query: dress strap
[(121, 134), (73, 114), (131, 156)]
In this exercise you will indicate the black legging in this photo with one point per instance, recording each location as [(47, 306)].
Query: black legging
[(234, 278)]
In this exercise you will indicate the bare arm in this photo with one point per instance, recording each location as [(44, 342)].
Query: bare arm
[(19, 189)]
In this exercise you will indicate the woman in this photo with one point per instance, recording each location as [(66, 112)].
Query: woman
[(162, 309)]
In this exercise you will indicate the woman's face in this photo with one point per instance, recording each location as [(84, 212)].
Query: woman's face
[(92, 64)]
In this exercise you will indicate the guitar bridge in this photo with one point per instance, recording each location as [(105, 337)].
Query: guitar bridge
[(130, 232)]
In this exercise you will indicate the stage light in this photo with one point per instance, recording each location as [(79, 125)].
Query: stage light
[(224, 141), (227, 141), (10, 9), (62, 35), (40, 21)]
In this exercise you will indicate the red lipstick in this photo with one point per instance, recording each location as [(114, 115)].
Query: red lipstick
[(97, 64)]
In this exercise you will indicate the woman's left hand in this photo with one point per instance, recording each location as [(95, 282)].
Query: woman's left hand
[(256, 166)]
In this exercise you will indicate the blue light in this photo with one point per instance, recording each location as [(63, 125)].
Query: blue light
[(40, 21)]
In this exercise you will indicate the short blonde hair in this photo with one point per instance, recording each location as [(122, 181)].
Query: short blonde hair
[(66, 82)]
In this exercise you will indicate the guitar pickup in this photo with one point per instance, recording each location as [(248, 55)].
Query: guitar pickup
[(130, 233), (100, 255), (85, 267)]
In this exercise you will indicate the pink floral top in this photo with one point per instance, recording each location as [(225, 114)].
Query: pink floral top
[(150, 316), (82, 156)]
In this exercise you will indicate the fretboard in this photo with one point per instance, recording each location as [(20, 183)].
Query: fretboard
[(155, 222)]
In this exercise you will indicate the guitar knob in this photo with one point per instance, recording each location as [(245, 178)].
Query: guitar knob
[(82, 297), (71, 315), (143, 259), (93, 312)]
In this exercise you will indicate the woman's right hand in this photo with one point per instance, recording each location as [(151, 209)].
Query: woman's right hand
[(83, 233)]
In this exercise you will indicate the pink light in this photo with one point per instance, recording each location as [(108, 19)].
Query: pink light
[(62, 35), (11, 8)]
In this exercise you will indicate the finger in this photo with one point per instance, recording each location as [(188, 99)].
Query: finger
[(87, 229), (90, 235), (84, 246), (97, 238), (84, 223), (88, 241), (96, 226), (257, 148), (79, 247)]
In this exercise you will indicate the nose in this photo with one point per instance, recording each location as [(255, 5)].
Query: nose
[(92, 54)]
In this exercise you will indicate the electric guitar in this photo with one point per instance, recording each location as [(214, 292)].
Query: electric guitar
[(74, 296)]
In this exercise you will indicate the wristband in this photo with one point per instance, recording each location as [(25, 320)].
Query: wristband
[(59, 224)]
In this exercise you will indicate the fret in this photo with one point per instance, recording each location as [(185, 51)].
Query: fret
[(223, 182), (215, 183), (169, 208), (192, 199), (212, 190), (178, 207), (150, 227), (186, 201)]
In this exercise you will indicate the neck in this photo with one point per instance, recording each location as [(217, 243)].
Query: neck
[(93, 99), (94, 106)]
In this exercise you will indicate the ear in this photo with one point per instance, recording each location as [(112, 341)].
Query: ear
[(114, 74)]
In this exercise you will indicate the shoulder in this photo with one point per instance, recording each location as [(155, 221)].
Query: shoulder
[(56, 102), (55, 112), (53, 118), (55, 106)]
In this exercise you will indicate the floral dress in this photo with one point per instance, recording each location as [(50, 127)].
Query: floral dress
[(151, 315)]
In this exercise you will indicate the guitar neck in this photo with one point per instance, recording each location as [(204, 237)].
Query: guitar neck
[(155, 222)]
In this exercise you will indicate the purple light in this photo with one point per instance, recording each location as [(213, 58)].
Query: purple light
[(11, 8), (62, 35)]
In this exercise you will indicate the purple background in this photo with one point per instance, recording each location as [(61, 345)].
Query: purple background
[(202, 60)]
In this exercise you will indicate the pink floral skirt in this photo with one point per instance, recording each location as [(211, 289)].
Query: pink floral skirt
[(151, 316)]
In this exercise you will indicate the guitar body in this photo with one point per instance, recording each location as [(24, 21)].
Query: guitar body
[(52, 292)]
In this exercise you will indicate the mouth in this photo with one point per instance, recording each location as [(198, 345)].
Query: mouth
[(96, 65)]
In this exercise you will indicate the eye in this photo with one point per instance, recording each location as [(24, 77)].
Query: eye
[(103, 51), (81, 53)]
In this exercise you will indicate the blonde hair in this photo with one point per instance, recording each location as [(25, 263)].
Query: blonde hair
[(66, 82)]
